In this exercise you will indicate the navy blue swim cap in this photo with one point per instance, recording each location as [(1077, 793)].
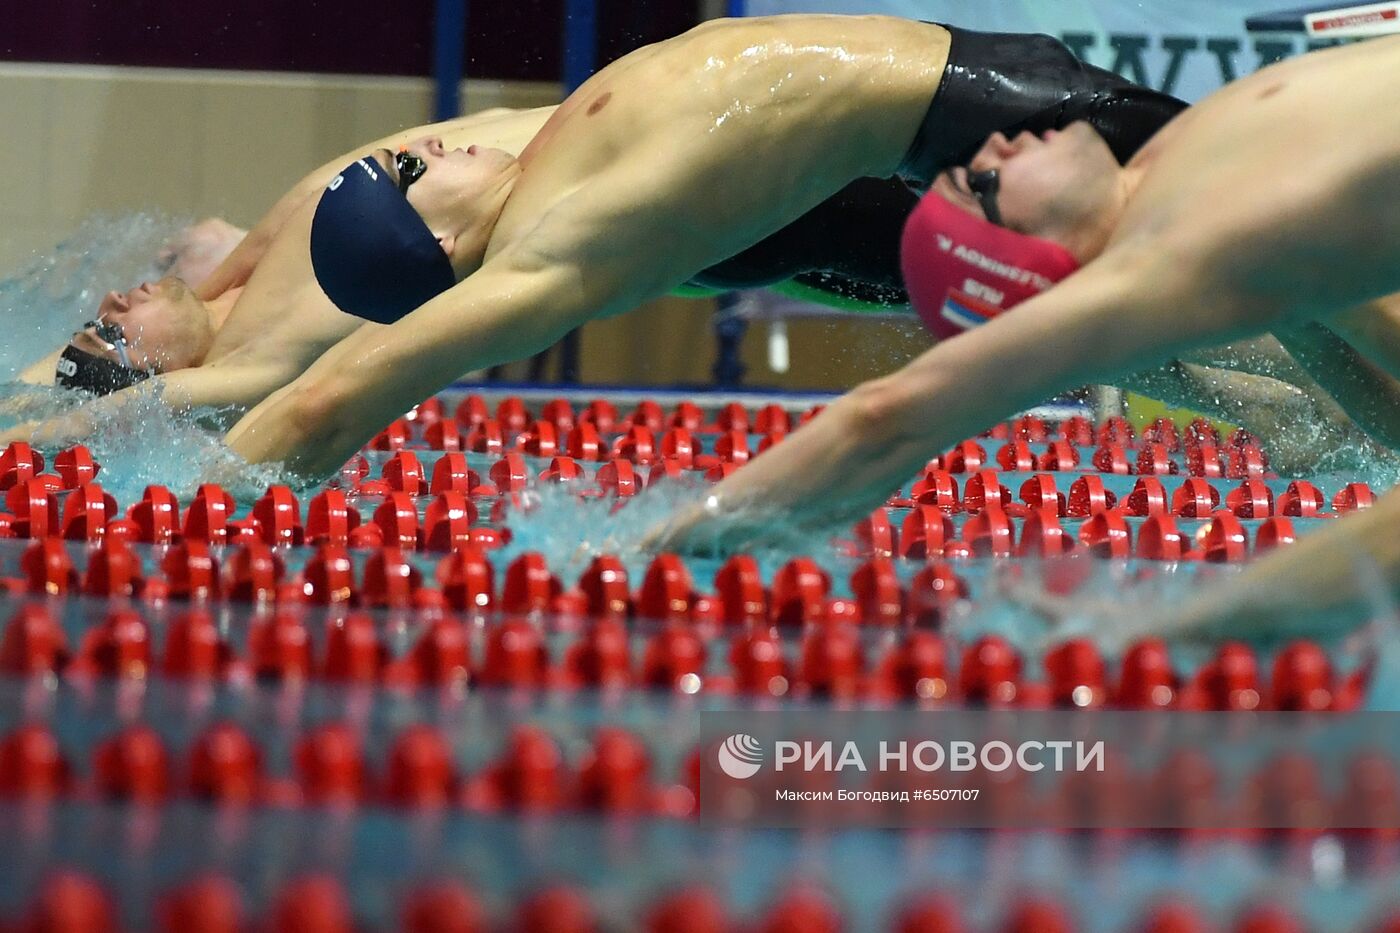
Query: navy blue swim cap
[(372, 253)]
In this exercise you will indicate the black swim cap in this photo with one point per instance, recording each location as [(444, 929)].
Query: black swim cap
[(372, 253), (78, 369)]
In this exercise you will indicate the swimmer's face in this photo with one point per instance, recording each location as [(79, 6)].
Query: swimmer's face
[(1048, 184), (166, 326), (458, 187)]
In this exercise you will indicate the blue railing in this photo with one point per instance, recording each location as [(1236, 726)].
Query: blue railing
[(449, 57)]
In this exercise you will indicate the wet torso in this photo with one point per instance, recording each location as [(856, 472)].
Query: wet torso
[(695, 148), (1297, 168)]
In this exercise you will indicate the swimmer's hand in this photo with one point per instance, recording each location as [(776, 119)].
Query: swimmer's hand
[(33, 401), (19, 432), (54, 433), (1113, 618), (715, 528), (20, 406), (195, 252), (678, 532)]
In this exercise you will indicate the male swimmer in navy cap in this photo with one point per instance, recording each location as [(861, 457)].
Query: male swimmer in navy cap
[(1273, 205), (661, 167)]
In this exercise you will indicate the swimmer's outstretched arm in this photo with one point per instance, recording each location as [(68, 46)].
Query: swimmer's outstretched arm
[(512, 307), (847, 460), (1259, 356), (199, 387), (1271, 409), (1364, 389), (1323, 585), (1357, 355), (1374, 329)]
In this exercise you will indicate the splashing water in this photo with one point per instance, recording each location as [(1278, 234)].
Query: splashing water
[(144, 443), (570, 532), (44, 303), (137, 439)]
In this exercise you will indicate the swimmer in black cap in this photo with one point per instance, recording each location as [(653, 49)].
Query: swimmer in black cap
[(249, 329), (104, 365), (662, 166), (153, 328), (1232, 221)]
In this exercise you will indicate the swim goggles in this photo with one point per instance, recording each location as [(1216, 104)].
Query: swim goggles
[(111, 336), (984, 187), (82, 369), (410, 167)]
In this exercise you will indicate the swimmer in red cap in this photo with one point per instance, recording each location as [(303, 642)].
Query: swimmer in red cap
[(1272, 206)]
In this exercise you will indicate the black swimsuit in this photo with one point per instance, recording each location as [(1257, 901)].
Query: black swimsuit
[(848, 246)]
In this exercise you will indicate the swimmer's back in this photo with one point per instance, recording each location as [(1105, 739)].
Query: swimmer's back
[(716, 138)]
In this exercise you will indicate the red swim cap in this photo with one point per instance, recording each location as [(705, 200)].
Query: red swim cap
[(962, 271)]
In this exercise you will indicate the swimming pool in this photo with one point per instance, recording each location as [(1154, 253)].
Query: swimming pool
[(457, 664)]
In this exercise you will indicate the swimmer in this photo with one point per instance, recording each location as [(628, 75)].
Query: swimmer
[(1273, 205), (666, 163), (215, 346)]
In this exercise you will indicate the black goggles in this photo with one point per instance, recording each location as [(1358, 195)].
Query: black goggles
[(111, 336), (984, 187), (410, 167)]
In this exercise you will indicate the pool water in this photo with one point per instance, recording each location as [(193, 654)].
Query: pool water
[(83, 667)]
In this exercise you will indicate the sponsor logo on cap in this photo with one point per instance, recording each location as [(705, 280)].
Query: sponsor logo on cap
[(1004, 269), (1354, 19)]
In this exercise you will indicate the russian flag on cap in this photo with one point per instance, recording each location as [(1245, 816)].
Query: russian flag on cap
[(961, 271), (964, 312)]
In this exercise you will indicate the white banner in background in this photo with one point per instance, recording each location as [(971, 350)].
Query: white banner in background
[(1188, 48)]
